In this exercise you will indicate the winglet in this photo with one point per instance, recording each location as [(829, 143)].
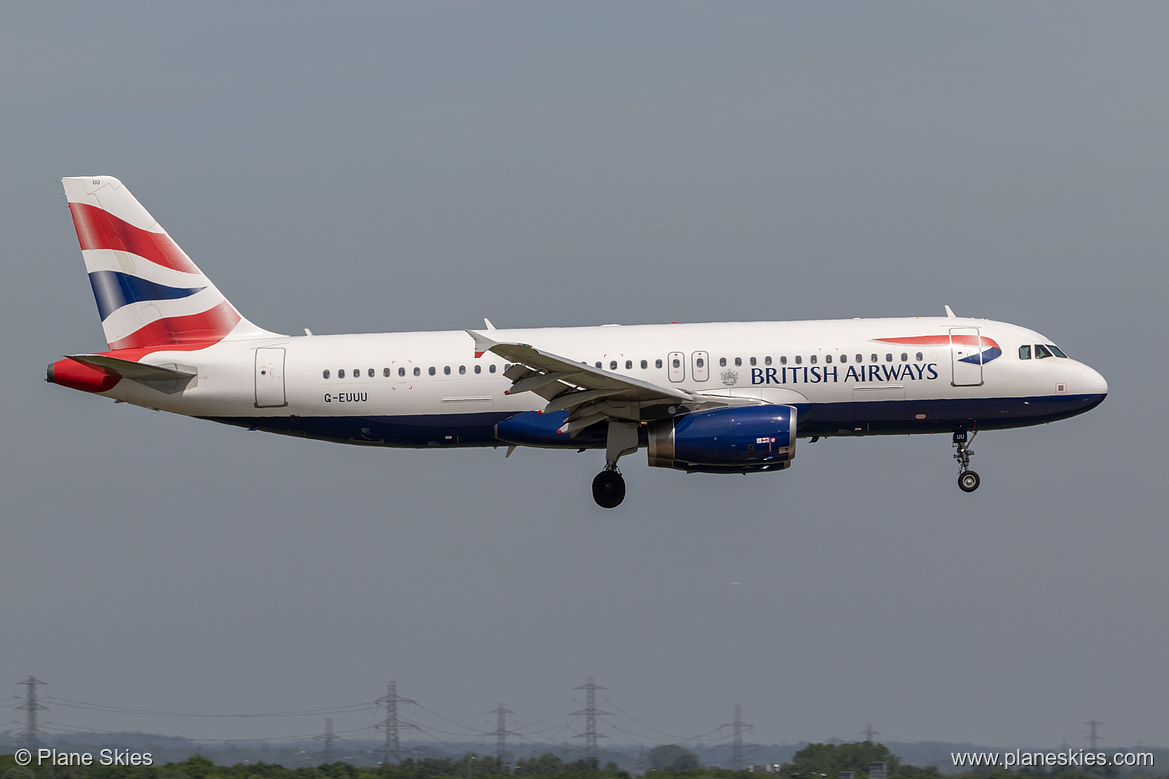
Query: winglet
[(487, 323), (950, 313), (482, 343)]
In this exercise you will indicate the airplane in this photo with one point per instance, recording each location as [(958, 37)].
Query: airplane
[(729, 397)]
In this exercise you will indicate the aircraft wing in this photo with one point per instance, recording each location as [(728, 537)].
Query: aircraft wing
[(591, 395)]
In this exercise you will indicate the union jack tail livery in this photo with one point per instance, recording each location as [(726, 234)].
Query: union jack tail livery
[(149, 294)]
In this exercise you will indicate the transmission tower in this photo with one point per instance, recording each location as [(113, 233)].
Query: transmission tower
[(1092, 733), (501, 732), (737, 743), (32, 734), (869, 732), (393, 747), (328, 738), (590, 712)]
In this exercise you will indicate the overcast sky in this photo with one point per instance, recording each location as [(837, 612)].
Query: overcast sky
[(379, 167)]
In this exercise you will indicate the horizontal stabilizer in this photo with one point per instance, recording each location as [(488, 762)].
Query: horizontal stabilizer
[(135, 371)]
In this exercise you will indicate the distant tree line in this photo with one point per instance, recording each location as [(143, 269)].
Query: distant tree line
[(670, 761)]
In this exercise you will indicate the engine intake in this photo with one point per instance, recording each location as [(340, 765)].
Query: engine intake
[(742, 439)]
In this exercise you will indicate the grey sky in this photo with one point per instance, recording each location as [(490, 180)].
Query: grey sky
[(378, 167)]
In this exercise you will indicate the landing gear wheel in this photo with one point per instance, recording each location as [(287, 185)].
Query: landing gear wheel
[(968, 481), (608, 489)]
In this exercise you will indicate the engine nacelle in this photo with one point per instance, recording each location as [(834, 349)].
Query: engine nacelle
[(741, 439)]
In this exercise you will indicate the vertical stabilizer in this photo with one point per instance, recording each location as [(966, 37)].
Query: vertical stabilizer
[(149, 294)]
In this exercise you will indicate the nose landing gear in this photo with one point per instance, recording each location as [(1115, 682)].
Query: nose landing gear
[(968, 480)]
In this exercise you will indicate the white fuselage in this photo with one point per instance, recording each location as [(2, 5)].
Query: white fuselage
[(429, 388)]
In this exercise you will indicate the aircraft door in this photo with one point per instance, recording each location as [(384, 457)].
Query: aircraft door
[(700, 369), (966, 356), (270, 378), (676, 366)]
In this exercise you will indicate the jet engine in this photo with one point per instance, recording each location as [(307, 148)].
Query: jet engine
[(742, 439)]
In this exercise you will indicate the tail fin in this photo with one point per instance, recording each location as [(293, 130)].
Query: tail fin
[(149, 294)]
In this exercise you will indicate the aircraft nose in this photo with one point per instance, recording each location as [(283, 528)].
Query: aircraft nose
[(1093, 383)]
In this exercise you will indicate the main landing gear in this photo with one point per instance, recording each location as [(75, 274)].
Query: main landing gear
[(609, 484), (609, 488), (968, 480)]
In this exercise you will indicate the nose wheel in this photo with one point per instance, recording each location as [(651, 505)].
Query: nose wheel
[(968, 480)]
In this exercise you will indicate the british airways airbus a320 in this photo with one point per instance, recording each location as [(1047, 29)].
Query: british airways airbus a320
[(706, 398)]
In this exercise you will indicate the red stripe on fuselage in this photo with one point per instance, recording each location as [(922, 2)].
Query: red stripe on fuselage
[(99, 229), (942, 340), (203, 329)]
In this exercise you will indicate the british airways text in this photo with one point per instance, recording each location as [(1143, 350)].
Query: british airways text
[(858, 374)]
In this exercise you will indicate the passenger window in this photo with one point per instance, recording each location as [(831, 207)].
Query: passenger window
[(844, 358), (738, 361), (462, 369), (677, 363), (919, 357), (812, 359), (1056, 351), (799, 359), (386, 372), (828, 358), (446, 369), (430, 370), (658, 363), (888, 357), (417, 371), (341, 373), (783, 360), (612, 365), (1025, 352), (752, 360), (371, 373), (491, 368), (701, 363), (478, 369), (872, 358), (860, 358), (629, 365), (598, 364), (357, 373), (401, 371), (644, 365), (326, 373), (767, 360), (722, 362), (904, 357), (1041, 352)]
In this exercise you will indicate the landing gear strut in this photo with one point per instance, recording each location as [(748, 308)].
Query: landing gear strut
[(968, 480), (609, 484)]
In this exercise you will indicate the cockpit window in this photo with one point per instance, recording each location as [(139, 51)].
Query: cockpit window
[(1025, 352), (1056, 351), (1041, 352)]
